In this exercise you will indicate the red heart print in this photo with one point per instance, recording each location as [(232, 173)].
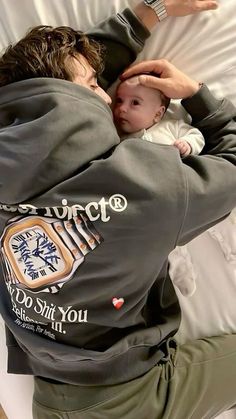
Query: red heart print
[(118, 302)]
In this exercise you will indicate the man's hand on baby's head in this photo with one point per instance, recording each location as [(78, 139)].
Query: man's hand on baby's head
[(183, 147), (171, 81)]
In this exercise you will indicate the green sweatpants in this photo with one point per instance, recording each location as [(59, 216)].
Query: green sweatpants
[(196, 381)]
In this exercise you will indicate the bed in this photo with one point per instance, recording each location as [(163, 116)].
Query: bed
[(204, 46)]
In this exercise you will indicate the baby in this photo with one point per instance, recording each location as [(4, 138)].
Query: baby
[(138, 112)]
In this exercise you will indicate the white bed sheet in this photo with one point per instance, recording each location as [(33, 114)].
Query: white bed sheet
[(204, 46)]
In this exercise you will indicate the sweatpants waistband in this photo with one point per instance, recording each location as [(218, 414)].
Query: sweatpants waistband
[(69, 397)]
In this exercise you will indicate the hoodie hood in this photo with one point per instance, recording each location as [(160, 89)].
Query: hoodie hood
[(43, 124)]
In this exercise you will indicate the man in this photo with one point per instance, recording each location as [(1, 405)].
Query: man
[(87, 225)]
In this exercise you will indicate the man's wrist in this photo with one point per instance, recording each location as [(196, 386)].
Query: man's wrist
[(146, 14), (196, 86), (201, 104), (158, 6)]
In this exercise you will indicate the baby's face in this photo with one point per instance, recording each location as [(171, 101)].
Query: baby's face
[(136, 107)]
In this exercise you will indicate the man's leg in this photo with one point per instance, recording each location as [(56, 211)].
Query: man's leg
[(204, 382), (198, 381)]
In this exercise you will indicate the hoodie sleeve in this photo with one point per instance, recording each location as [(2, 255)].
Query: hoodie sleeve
[(210, 177), (123, 35)]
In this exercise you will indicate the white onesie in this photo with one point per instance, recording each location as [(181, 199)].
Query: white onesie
[(168, 130)]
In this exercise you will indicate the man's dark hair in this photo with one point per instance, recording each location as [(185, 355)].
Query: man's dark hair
[(47, 52)]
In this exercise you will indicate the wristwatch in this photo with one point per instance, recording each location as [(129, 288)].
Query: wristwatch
[(158, 6)]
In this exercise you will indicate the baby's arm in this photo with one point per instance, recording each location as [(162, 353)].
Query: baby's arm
[(189, 139)]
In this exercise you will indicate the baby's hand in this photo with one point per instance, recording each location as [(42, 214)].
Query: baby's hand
[(183, 147)]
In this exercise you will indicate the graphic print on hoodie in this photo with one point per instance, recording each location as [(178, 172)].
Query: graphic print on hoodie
[(40, 254)]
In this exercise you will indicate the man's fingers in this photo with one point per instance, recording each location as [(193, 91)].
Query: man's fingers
[(203, 5), (189, 7), (151, 81), (143, 67), (171, 81)]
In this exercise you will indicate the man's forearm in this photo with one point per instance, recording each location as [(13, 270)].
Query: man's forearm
[(147, 15)]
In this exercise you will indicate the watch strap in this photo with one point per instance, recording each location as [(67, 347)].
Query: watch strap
[(159, 8)]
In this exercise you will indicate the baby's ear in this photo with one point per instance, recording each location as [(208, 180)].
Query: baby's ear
[(160, 113)]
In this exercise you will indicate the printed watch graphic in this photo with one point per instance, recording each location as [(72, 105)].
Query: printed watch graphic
[(43, 252)]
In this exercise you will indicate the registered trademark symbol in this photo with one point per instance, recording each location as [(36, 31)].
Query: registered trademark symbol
[(118, 202)]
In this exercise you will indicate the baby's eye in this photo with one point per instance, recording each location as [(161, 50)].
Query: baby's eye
[(135, 102), (118, 100)]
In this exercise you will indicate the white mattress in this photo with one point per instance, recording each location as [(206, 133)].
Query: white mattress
[(204, 46)]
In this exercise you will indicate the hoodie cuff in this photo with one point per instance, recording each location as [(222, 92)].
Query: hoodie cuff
[(139, 31), (202, 104)]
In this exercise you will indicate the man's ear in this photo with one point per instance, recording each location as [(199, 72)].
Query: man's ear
[(159, 114)]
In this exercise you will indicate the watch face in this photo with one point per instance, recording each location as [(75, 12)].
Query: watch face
[(36, 253), (149, 1)]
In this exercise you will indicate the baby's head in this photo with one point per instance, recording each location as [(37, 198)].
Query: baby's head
[(137, 107)]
